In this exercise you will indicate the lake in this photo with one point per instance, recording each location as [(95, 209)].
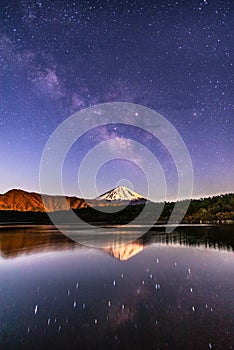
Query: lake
[(159, 291)]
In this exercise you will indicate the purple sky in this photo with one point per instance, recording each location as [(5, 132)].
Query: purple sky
[(59, 57)]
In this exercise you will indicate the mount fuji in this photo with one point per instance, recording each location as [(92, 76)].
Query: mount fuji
[(121, 193)]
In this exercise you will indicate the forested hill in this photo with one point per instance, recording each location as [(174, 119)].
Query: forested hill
[(218, 208)]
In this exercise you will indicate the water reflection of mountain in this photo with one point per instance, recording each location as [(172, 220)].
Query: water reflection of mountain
[(20, 240), (17, 241), (125, 252)]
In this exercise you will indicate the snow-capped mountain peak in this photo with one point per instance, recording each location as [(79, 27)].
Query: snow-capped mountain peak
[(121, 193)]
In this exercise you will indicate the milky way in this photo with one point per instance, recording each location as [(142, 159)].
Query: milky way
[(57, 57)]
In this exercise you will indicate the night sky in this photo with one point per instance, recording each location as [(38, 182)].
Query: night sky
[(58, 57)]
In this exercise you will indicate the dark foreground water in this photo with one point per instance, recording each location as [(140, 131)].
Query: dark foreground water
[(162, 291)]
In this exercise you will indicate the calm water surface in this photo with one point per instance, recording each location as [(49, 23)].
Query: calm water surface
[(161, 291)]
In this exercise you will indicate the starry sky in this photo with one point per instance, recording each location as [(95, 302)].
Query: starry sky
[(58, 57)]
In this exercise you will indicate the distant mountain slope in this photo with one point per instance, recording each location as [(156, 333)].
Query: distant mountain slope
[(20, 200), (121, 193)]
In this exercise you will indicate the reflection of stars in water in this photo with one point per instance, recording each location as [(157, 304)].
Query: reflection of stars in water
[(127, 296)]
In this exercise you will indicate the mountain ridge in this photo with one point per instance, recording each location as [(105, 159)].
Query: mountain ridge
[(21, 200)]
